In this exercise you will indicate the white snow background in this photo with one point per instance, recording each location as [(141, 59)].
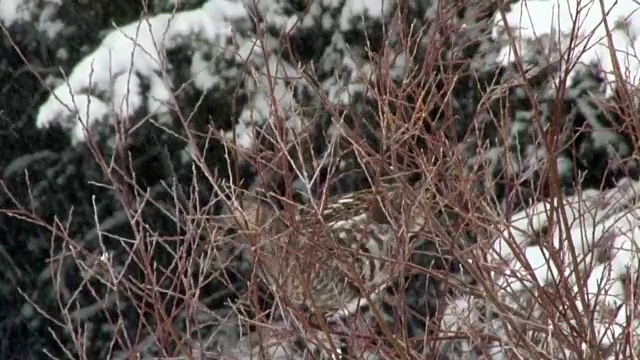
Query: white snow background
[(584, 21), (125, 54), (597, 221), (135, 47)]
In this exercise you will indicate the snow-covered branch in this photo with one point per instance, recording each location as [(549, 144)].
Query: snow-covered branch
[(126, 56)]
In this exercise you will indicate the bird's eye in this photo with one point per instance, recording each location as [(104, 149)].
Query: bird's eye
[(304, 308)]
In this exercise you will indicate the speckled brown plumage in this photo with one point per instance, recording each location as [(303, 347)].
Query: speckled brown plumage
[(334, 254), (327, 257)]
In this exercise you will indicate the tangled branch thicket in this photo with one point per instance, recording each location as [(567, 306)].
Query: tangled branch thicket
[(280, 179)]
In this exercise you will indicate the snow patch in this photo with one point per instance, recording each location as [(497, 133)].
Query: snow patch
[(125, 55), (355, 10), (12, 11), (531, 19), (597, 221)]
